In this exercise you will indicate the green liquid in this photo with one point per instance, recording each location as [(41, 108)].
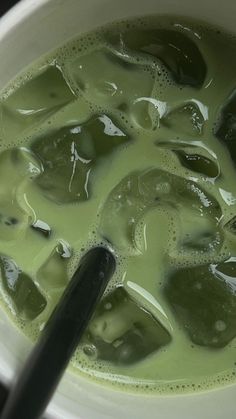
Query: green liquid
[(125, 138)]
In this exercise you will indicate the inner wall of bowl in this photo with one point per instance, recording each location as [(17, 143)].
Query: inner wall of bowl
[(30, 30)]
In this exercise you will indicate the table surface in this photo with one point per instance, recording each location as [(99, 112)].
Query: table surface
[(5, 5)]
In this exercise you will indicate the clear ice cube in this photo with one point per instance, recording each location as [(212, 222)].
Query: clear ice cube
[(114, 83), (204, 300), (70, 154), (35, 100), (53, 273), (199, 164), (186, 119), (17, 167), (122, 332), (200, 235), (41, 227), (174, 49), (226, 128), (140, 191), (20, 289), (21, 164), (13, 220), (231, 225)]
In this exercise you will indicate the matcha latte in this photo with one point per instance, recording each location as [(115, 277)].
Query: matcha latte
[(124, 138)]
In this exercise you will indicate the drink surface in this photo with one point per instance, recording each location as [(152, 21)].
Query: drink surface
[(125, 138)]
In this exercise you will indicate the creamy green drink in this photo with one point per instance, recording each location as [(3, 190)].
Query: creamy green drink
[(124, 138)]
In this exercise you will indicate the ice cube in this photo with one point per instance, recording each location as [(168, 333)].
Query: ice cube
[(17, 166), (35, 100), (41, 227), (70, 154), (207, 240), (196, 233), (176, 145), (186, 119), (198, 163), (140, 191), (115, 83), (231, 225), (122, 332), (177, 51), (53, 274), (64, 250), (13, 220), (226, 129), (20, 290), (204, 300)]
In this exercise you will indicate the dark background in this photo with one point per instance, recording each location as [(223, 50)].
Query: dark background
[(7, 4), (4, 6)]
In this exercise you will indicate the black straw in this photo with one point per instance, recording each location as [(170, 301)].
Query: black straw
[(48, 360)]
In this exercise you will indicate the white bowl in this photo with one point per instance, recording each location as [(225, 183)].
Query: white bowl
[(33, 28)]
